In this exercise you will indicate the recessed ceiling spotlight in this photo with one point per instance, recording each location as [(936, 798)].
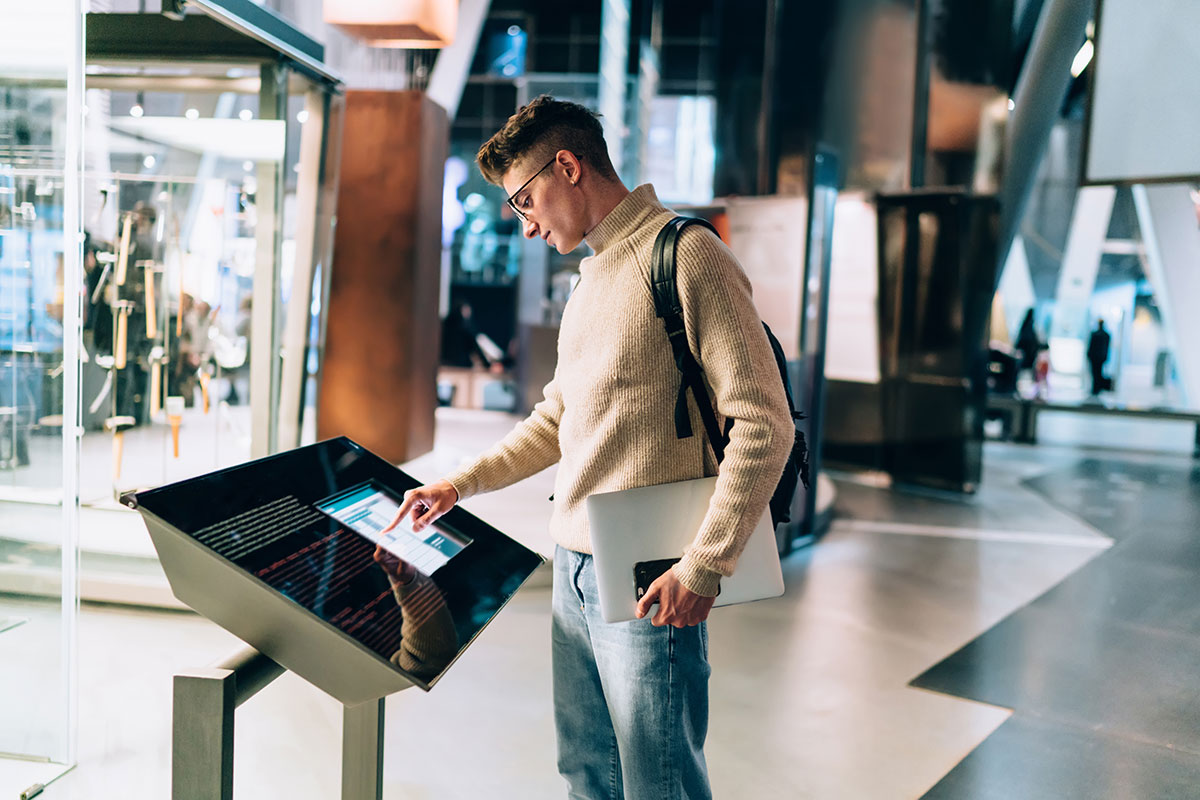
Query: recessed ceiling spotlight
[(192, 113), (136, 110), (245, 115)]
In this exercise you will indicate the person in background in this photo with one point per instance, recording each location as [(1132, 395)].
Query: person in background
[(460, 340), (1028, 342), (1033, 359), (1097, 354)]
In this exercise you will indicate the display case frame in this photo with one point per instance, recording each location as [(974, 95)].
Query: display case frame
[(47, 158)]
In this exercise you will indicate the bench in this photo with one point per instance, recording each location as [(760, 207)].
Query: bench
[(1022, 414)]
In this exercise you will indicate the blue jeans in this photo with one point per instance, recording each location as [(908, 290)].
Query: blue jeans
[(630, 699)]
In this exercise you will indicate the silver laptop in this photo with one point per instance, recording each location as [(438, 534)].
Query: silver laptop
[(638, 526)]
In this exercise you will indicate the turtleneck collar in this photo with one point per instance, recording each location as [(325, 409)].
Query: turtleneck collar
[(625, 218)]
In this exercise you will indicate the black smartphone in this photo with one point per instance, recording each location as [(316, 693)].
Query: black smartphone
[(647, 572)]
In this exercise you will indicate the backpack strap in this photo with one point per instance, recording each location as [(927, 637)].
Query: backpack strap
[(668, 308)]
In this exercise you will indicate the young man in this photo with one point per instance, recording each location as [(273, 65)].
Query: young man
[(631, 699)]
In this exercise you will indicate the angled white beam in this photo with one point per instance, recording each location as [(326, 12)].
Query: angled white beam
[(1038, 98), (1016, 287), (1081, 260), (1167, 217), (453, 64)]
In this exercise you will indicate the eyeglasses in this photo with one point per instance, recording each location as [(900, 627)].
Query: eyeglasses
[(512, 203)]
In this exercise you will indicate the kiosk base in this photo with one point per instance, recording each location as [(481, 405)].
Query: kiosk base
[(202, 730)]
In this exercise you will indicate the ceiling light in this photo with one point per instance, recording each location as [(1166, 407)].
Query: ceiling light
[(396, 23), (149, 161), (1082, 58), (248, 166), (192, 113), (136, 111), (302, 117), (245, 115)]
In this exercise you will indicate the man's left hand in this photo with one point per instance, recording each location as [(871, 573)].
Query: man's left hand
[(677, 605)]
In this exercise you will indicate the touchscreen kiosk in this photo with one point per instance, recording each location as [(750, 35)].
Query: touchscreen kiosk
[(288, 553)]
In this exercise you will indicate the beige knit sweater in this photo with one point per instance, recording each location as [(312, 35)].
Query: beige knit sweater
[(608, 414)]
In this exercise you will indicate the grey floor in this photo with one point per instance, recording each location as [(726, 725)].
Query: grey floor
[(1101, 670), (810, 692)]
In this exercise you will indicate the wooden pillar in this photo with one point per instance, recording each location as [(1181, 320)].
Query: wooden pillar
[(383, 334)]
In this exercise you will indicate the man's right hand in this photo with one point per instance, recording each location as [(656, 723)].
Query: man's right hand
[(425, 504)]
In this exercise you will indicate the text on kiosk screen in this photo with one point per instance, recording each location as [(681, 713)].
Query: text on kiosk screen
[(368, 509)]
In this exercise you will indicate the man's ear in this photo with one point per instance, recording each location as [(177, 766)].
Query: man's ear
[(571, 165)]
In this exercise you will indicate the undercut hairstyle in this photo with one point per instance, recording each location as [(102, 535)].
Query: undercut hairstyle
[(538, 131)]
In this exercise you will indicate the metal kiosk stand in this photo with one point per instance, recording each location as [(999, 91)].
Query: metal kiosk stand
[(202, 725), (287, 554)]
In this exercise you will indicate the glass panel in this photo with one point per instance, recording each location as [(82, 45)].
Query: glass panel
[(681, 149), (176, 216), (40, 122)]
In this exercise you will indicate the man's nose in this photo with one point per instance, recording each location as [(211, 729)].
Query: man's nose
[(529, 229)]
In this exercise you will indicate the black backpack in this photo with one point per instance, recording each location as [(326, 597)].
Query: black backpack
[(668, 309)]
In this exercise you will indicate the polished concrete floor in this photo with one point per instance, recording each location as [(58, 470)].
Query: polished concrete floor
[(1101, 670), (812, 693)]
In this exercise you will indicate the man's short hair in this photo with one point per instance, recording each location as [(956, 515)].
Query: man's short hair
[(540, 129)]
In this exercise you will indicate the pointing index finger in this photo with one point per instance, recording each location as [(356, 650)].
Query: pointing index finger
[(409, 499)]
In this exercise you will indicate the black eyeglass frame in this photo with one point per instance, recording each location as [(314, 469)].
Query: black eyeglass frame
[(512, 197)]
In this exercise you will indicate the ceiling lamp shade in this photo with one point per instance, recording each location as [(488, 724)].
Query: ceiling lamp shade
[(396, 23)]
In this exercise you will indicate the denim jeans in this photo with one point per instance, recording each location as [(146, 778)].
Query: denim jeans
[(630, 699)]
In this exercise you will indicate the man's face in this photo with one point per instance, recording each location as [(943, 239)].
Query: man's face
[(550, 203)]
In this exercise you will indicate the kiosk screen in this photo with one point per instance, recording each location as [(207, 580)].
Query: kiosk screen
[(369, 508), (308, 524)]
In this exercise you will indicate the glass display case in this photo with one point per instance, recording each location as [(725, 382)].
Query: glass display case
[(167, 191)]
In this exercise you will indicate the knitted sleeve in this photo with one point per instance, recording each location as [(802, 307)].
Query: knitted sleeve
[(428, 641), (528, 449), (727, 338)]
